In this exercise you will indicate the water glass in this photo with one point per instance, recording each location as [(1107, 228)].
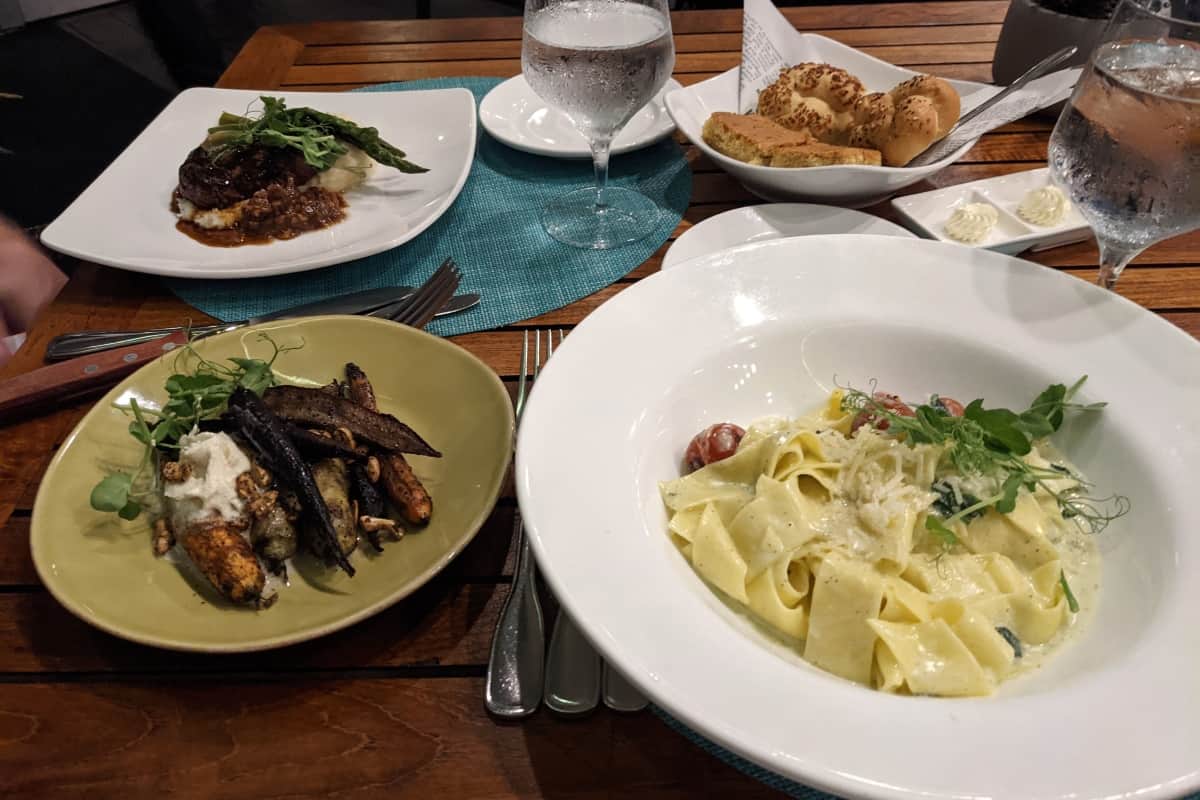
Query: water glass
[(1126, 148), (599, 62)]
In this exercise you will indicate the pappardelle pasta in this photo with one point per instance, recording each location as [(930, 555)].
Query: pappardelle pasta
[(919, 550)]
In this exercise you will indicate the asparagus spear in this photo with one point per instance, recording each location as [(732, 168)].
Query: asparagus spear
[(319, 136)]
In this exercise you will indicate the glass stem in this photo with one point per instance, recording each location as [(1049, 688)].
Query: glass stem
[(1113, 258), (600, 149)]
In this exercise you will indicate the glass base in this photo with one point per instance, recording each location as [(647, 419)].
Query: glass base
[(574, 218)]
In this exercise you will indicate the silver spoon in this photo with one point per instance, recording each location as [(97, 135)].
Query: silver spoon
[(1036, 71)]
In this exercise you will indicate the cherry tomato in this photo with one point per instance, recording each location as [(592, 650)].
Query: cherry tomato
[(713, 444), (891, 402), (952, 406)]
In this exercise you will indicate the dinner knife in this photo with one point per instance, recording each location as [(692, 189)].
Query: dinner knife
[(80, 343), (75, 377)]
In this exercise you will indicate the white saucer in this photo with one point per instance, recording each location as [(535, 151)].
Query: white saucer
[(773, 221), (514, 114)]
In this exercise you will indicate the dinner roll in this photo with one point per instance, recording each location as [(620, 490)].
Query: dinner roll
[(902, 123), (941, 94), (817, 98)]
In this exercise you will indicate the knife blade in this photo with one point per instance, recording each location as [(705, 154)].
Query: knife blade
[(81, 343), (70, 379), (353, 303)]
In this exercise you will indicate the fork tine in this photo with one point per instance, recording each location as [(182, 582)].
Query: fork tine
[(537, 352), (392, 310), (524, 374), (431, 297), (423, 312)]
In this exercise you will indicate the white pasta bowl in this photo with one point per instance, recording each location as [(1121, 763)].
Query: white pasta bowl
[(766, 329), (850, 185)]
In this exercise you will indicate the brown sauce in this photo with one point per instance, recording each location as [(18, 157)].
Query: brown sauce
[(277, 211)]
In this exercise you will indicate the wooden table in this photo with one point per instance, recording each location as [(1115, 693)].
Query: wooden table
[(394, 705)]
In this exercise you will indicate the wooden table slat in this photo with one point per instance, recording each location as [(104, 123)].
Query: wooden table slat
[(881, 15), (510, 64), (335, 738), (728, 46), (684, 43)]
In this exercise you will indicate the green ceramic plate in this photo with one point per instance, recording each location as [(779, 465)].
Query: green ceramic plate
[(102, 568)]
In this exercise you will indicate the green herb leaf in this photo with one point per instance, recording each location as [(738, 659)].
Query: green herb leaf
[(1049, 404), (1035, 425), (112, 493), (256, 375), (1072, 603), (1008, 493), (130, 510), (1000, 428), (935, 526), (138, 431)]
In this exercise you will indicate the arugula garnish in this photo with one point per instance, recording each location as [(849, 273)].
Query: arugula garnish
[(991, 442), (191, 398), (320, 137)]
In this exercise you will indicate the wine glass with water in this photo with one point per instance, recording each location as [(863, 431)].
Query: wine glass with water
[(599, 61), (1126, 148)]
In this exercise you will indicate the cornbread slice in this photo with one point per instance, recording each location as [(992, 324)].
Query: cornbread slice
[(749, 137), (822, 155)]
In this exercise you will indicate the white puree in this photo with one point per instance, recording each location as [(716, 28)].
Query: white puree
[(211, 490)]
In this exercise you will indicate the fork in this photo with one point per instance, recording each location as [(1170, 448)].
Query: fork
[(514, 673), (422, 305), (82, 343)]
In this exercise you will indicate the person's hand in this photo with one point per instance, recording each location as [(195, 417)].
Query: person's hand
[(28, 282)]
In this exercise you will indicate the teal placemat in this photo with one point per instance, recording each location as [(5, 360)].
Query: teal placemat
[(492, 230), (772, 779)]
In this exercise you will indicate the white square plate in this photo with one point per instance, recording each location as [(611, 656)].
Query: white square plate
[(929, 212), (852, 185), (124, 220)]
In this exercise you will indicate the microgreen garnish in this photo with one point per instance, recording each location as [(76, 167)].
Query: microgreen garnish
[(320, 137), (192, 396), (992, 442)]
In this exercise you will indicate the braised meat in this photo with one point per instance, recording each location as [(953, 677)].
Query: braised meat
[(237, 174)]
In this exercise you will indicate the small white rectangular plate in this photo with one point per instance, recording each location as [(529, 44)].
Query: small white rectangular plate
[(124, 220), (929, 211)]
